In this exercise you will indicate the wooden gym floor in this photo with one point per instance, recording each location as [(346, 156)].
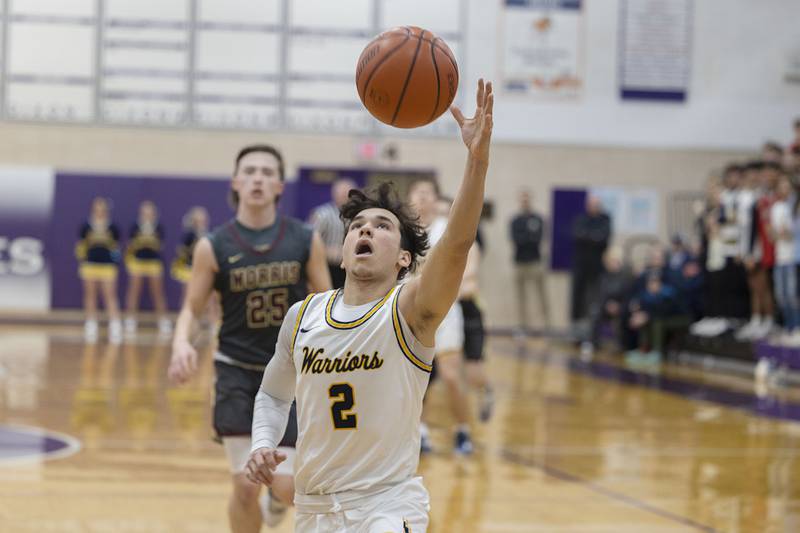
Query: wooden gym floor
[(573, 447)]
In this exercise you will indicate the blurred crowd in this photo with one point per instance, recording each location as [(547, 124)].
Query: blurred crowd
[(737, 275)]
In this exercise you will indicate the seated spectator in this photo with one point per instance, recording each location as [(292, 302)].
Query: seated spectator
[(689, 283), (656, 313), (615, 288)]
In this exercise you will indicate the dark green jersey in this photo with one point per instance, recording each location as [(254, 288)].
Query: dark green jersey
[(261, 274)]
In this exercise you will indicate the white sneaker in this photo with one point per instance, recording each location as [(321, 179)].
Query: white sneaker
[(115, 331), (272, 511), (130, 326), (763, 330), (746, 332), (90, 330)]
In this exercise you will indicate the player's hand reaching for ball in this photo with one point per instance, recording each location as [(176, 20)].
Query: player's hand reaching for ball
[(183, 363), (477, 131), (261, 466)]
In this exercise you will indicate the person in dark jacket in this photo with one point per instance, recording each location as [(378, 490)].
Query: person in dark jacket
[(615, 289), (527, 233), (591, 233), (657, 312)]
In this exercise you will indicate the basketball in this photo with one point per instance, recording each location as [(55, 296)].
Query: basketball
[(407, 77)]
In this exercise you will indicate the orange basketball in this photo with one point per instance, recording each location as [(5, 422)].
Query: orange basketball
[(407, 77)]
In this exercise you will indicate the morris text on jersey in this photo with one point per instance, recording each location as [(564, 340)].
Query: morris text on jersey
[(264, 275)]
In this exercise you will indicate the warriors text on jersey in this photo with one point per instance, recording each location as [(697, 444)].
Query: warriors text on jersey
[(261, 274), (360, 376)]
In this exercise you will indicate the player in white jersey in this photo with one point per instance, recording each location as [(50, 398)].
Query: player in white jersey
[(358, 360)]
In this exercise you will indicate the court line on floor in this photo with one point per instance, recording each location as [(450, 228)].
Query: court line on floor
[(599, 489)]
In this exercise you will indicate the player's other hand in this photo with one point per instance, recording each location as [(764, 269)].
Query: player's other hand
[(477, 131), (183, 363), (261, 466)]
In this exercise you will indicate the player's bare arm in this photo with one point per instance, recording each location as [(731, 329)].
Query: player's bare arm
[(427, 298), (317, 272), (183, 363)]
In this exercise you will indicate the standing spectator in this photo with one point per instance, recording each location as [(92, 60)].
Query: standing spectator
[(527, 232), (784, 275), (325, 219), (761, 256), (590, 233), (737, 304)]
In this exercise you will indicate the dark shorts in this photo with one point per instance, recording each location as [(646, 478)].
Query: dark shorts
[(474, 334), (234, 396)]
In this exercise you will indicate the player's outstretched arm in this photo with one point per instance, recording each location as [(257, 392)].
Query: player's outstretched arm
[(426, 300), (183, 363)]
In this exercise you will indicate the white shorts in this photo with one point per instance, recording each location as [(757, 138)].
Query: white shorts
[(238, 451), (401, 509), (450, 335)]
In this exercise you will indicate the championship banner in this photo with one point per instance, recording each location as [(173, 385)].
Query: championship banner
[(26, 199), (655, 49), (543, 47)]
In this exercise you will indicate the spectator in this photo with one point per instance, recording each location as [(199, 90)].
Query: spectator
[(713, 261), (761, 257), (527, 233), (784, 275), (657, 312), (325, 219), (689, 283), (614, 291), (590, 233)]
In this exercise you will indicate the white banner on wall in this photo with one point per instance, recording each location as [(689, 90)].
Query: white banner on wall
[(542, 47), (655, 49), (632, 211), (26, 200)]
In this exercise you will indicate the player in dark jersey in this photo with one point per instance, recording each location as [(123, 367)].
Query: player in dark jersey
[(98, 253), (143, 261), (260, 263)]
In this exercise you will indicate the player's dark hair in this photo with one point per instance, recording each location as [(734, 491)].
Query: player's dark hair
[(413, 237), (426, 179), (233, 196)]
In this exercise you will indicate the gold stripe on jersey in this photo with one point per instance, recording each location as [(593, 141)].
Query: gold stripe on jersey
[(401, 338), (300, 314), (332, 322)]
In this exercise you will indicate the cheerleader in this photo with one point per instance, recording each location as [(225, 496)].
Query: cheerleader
[(143, 261), (98, 254)]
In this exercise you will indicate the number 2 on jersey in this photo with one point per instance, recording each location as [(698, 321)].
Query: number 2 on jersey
[(345, 400)]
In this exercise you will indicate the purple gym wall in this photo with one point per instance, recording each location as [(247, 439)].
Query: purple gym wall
[(174, 196)]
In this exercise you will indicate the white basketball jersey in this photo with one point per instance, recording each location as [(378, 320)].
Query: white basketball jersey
[(359, 394)]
